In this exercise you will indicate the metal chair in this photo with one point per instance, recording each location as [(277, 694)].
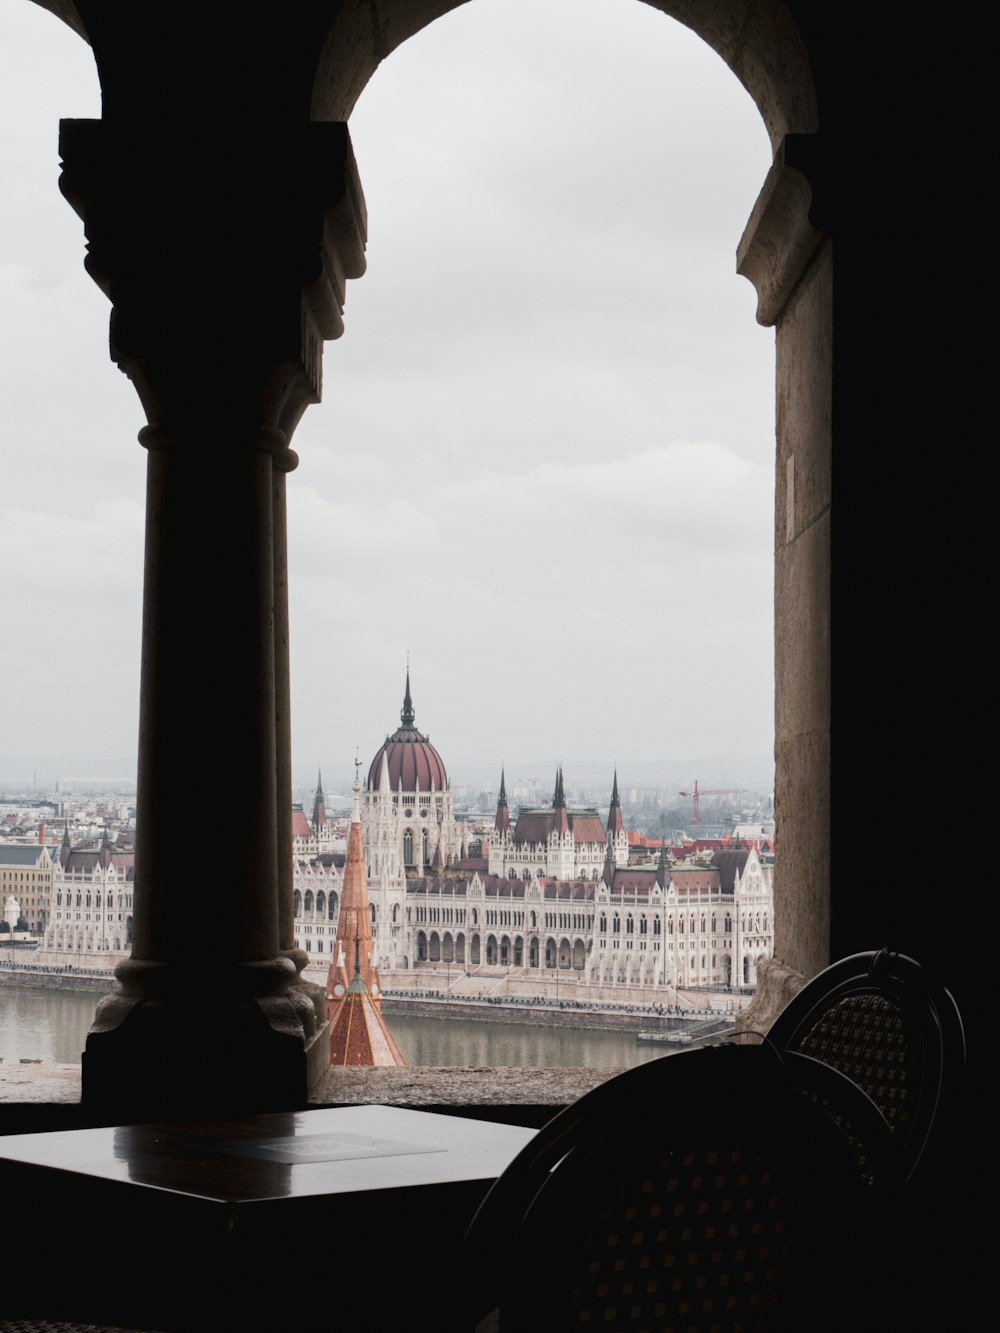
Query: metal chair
[(709, 1191), (882, 1020)]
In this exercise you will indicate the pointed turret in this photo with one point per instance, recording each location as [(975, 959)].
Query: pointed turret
[(560, 823), (104, 858), (615, 822), (359, 1035), (319, 805), (354, 926), (66, 847), (502, 821)]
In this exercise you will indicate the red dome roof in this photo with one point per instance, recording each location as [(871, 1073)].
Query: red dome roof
[(412, 760)]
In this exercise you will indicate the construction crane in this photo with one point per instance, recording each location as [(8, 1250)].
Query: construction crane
[(709, 791)]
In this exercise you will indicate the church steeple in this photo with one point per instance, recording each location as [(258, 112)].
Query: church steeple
[(406, 715), (559, 797)]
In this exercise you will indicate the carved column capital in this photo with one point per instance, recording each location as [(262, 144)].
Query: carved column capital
[(784, 232), (225, 252)]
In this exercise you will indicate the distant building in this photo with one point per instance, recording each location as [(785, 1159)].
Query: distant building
[(91, 899), (554, 892), (26, 872)]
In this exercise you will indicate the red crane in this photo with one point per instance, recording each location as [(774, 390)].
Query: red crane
[(709, 791)]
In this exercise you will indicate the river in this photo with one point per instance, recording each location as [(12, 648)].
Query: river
[(51, 1026)]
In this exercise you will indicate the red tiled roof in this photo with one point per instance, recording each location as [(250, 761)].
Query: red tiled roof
[(359, 1035)]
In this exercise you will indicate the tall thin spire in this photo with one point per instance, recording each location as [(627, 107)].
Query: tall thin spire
[(560, 823), (406, 714), (502, 821), (319, 804), (615, 822)]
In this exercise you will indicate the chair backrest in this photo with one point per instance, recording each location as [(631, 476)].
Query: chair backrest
[(706, 1190), (881, 1020)]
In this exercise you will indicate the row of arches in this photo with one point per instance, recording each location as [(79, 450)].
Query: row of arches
[(501, 951), (91, 899), (321, 904), (90, 939)]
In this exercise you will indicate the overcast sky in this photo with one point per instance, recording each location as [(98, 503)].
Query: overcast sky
[(544, 461)]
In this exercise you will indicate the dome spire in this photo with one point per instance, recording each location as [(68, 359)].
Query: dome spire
[(406, 715)]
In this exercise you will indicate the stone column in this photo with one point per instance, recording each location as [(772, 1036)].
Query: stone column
[(785, 253), (225, 259)]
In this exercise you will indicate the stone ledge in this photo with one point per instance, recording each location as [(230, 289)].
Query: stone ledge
[(459, 1086)]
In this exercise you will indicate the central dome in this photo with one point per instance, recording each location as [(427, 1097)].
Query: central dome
[(413, 762)]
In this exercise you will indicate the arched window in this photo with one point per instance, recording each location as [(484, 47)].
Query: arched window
[(320, 903), (296, 903), (308, 901), (602, 924)]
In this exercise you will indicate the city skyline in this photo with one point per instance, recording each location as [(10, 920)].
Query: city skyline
[(542, 467)]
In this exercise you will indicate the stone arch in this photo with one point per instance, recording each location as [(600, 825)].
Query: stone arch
[(434, 947), (768, 55)]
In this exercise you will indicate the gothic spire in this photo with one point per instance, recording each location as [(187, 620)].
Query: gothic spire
[(406, 714), (559, 797), (615, 822), (502, 822)]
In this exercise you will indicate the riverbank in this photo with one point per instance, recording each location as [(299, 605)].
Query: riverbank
[(534, 1011)]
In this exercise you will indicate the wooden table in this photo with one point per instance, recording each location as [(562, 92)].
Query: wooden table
[(259, 1223)]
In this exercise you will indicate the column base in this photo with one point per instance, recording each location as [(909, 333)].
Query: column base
[(160, 1050)]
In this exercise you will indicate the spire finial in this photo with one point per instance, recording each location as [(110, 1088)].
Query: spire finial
[(356, 816)]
